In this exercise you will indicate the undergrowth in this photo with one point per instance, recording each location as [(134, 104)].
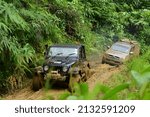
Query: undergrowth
[(132, 83)]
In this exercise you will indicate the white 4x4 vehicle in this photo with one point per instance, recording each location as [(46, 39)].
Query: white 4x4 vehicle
[(121, 51)]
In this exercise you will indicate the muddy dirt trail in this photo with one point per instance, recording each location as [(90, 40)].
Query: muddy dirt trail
[(100, 74)]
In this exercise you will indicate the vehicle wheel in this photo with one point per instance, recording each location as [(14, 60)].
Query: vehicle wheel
[(103, 62), (72, 81), (86, 75), (37, 82)]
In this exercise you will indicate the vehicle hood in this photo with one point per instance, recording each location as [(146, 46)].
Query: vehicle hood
[(117, 54), (61, 61)]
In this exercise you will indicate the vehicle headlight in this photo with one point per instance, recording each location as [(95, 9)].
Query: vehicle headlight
[(65, 69), (46, 67)]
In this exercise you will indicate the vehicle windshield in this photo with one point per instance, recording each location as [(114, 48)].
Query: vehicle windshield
[(63, 51), (121, 48)]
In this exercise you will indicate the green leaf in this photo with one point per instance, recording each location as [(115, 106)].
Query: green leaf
[(142, 91), (141, 78), (147, 69), (84, 89), (114, 91), (64, 96), (72, 98)]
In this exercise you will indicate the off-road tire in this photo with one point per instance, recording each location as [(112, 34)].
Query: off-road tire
[(72, 81), (87, 74), (103, 62), (37, 82)]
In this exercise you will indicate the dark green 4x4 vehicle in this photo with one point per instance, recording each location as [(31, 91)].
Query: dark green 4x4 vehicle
[(65, 63)]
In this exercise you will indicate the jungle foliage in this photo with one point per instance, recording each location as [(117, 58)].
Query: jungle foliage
[(27, 25)]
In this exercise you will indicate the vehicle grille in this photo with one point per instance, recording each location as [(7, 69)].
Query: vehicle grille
[(57, 68), (113, 57)]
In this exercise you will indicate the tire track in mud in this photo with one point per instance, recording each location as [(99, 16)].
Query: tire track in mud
[(100, 74)]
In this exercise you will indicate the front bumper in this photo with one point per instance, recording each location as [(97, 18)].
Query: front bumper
[(54, 75), (112, 61)]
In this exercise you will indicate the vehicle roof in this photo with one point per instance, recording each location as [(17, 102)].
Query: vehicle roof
[(124, 44), (67, 45)]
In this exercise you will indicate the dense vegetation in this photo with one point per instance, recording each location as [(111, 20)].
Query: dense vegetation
[(27, 25)]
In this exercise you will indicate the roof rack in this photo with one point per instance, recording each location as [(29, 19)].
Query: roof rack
[(129, 41)]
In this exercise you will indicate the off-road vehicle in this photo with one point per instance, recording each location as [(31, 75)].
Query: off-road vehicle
[(121, 51), (65, 63)]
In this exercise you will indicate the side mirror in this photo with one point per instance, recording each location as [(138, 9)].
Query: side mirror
[(131, 53), (108, 47), (46, 48)]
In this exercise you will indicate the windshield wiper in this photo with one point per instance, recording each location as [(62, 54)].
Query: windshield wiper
[(56, 55), (69, 55), (52, 57)]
